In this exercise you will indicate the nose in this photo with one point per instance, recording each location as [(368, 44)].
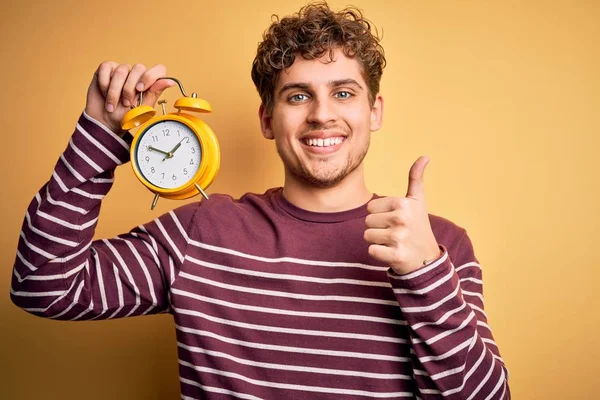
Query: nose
[(321, 112)]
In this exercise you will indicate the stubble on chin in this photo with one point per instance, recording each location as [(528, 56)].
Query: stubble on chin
[(323, 179)]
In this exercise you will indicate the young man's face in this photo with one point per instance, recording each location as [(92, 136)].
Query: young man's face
[(322, 119)]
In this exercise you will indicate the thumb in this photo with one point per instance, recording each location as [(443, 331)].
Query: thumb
[(416, 187), (154, 91)]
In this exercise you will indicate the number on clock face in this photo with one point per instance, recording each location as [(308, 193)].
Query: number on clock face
[(168, 154)]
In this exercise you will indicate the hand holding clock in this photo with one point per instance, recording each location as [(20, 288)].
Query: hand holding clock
[(114, 89)]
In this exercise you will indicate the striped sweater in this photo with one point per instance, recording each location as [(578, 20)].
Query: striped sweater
[(269, 301)]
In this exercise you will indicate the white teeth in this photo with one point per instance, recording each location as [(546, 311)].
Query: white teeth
[(324, 142)]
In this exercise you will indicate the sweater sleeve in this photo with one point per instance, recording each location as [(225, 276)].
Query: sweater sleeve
[(61, 272), (453, 351)]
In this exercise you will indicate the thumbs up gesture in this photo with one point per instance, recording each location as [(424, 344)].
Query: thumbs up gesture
[(398, 228)]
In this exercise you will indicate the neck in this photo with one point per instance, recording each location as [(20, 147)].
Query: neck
[(348, 194)]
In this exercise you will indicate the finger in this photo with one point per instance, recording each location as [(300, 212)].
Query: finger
[(116, 86), (152, 85), (416, 188), (129, 91), (385, 219), (103, 74), (377, 236), (382, 253), (386, 204)]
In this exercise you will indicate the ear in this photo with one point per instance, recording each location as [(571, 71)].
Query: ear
[(265, 123), (377, 113)]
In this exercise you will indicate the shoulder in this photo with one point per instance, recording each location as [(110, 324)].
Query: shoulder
[(219, 202), (221, 208), (447, 232)]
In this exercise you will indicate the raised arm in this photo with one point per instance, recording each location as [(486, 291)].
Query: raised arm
[(59, 271)]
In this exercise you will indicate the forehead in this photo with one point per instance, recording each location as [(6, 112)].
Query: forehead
[(321, 71)]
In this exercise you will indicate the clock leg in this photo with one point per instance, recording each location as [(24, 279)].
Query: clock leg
[(201, 191), (156, 196)]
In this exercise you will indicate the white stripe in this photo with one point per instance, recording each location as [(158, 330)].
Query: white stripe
[(127, 274), (467, 265), (316, 389), (48, 236), (105, 128), (429, 288), (73, 303), (144, 270), (276, 329), (35, 248), (102, 180), (296, 368), (278, 311), (474, 280), (100, 281), (166, 235), (72, 170), (25, 262), (422, 270), (476, 308), (215, 390), (178, 225), (284, 259), (278, 259), (483, 381), (276, 293), (490, 341), (448, 332), (59, 298), (84, 156), (473, 294), (448, 372), (84, 248), (442, 319), (151, 250), (99, 145), (62, 186), (172, 269), (449, 353), (154, 244), (37, 294), (88, 195), (466, 377), (63, 204), (432, 306), (286, 277), (119, 291), (87, 310), (67, 224), (501, 382), (289, 349), (80, 192), (481, 323)]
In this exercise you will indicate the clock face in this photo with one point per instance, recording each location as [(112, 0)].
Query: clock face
[(168, 154)]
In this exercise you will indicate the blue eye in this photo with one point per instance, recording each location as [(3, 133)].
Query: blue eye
[(343, 95), (298, 97)]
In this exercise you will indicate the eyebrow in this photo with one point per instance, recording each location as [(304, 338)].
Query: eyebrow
[(333, 84)]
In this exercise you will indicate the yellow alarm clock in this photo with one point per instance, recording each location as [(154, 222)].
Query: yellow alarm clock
[(175, 155)]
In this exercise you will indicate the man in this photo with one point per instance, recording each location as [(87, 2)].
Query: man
[(316, 290)]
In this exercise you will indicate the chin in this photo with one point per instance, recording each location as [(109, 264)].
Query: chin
[(321, 179)]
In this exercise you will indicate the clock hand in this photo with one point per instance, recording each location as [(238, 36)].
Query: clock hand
[(173, 150), (155, 149)]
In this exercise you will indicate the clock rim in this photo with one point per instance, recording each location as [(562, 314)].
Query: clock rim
[(206, 151)]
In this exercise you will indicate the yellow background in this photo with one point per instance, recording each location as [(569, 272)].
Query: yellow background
[(504, 96)]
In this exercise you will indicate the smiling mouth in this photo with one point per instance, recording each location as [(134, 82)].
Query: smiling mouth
[(328, 142)]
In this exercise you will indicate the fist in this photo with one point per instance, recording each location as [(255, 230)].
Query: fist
[(114, 88), (398, 228)]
